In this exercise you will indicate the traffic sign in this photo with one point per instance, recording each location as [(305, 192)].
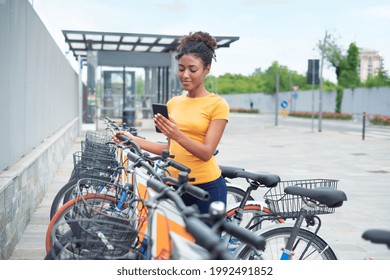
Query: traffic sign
[(284, 104)]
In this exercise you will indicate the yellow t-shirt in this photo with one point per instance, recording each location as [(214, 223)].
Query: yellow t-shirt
[(193, 117)]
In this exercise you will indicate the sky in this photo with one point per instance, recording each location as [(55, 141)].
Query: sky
[(286, 31)]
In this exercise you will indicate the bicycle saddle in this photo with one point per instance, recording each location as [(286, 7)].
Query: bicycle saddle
[(326, 196), (230, 171), (379, 236)]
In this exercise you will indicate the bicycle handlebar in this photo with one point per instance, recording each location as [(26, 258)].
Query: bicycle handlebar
[(169, 162), (162, 188), (188, 188), (140, 161), (207, 238), (179, 166)]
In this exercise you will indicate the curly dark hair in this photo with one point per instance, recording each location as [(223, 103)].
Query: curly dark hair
[(200, 44)]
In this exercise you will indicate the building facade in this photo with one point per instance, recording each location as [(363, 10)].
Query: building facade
[(370, 63)]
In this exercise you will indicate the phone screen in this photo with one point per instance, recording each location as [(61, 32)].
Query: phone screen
[(162, 109)]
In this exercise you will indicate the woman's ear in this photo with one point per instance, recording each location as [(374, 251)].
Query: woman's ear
[(207, 70)]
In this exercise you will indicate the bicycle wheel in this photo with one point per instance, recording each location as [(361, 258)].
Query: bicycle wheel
[(235, 194), (72, 210), (66, 193), (62, 196), (276, 239), (109, 238)]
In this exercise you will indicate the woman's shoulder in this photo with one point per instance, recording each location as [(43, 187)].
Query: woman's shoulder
[(176, 98), (217, 98)]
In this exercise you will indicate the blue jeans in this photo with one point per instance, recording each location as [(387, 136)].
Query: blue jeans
[(217, 190)]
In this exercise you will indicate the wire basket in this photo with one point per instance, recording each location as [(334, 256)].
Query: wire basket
[(102, 137), (86, 166), (288, 206), (98, 239), (98, 142), (106, 150)]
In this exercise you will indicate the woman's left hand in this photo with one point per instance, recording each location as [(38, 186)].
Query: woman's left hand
[(167, 126)]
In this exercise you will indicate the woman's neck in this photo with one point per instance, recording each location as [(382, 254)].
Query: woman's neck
[(198, 93)]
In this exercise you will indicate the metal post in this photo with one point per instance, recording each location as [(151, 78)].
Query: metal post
[(291, 93), (124, 89), (364, 125), (312, 95), (320, 98), (276, 99), (79, 128)]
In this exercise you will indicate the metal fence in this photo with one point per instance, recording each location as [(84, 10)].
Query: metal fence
[(369, 100)]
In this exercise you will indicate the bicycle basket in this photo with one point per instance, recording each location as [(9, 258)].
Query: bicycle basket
[(104, 239), (86, 166), (288, 206), (101, 137)]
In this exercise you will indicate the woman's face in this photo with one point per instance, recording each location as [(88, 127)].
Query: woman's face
[(191, 72)]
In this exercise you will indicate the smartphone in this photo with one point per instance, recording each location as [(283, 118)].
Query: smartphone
[(162, 109)]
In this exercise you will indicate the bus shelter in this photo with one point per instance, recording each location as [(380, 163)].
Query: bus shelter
[(155, 53)]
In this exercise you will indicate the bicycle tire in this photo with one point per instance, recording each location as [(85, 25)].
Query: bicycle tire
[(66, 193), (61, 197), (276, 239), (65, 210)]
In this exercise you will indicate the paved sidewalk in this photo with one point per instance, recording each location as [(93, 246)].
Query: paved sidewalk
[(294, 151)]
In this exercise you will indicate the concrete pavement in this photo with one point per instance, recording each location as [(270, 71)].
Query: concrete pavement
[(292, 150)]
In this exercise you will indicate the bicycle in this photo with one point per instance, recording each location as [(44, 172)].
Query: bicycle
[(302, 200), (377, 236), (237, 213), (210, 241)]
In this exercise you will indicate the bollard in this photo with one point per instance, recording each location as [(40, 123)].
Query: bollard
[(364, 125)]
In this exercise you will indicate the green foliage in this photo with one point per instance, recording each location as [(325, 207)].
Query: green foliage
[(243, 110), (324, 115), (260, 81), (339, 98), (380, 80), (348, 73)]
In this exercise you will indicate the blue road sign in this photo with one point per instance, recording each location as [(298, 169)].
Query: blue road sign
[(284, 104)]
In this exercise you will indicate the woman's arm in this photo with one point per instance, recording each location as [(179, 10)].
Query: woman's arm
[(151, 147), (203, 151)]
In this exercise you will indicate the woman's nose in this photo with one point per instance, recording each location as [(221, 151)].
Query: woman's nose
[(185, 73)]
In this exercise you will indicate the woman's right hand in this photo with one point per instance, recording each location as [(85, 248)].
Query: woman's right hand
[(125, 133)]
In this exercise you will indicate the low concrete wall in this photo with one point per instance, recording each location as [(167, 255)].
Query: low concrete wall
[(24, 184)]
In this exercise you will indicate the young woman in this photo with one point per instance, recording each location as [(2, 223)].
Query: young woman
[(197, 120)]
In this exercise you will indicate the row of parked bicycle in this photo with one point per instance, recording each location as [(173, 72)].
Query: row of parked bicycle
[(121, 203)]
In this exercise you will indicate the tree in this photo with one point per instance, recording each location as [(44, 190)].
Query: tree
[(380, 80), (259, 81), (348, 68), (332, 52)]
